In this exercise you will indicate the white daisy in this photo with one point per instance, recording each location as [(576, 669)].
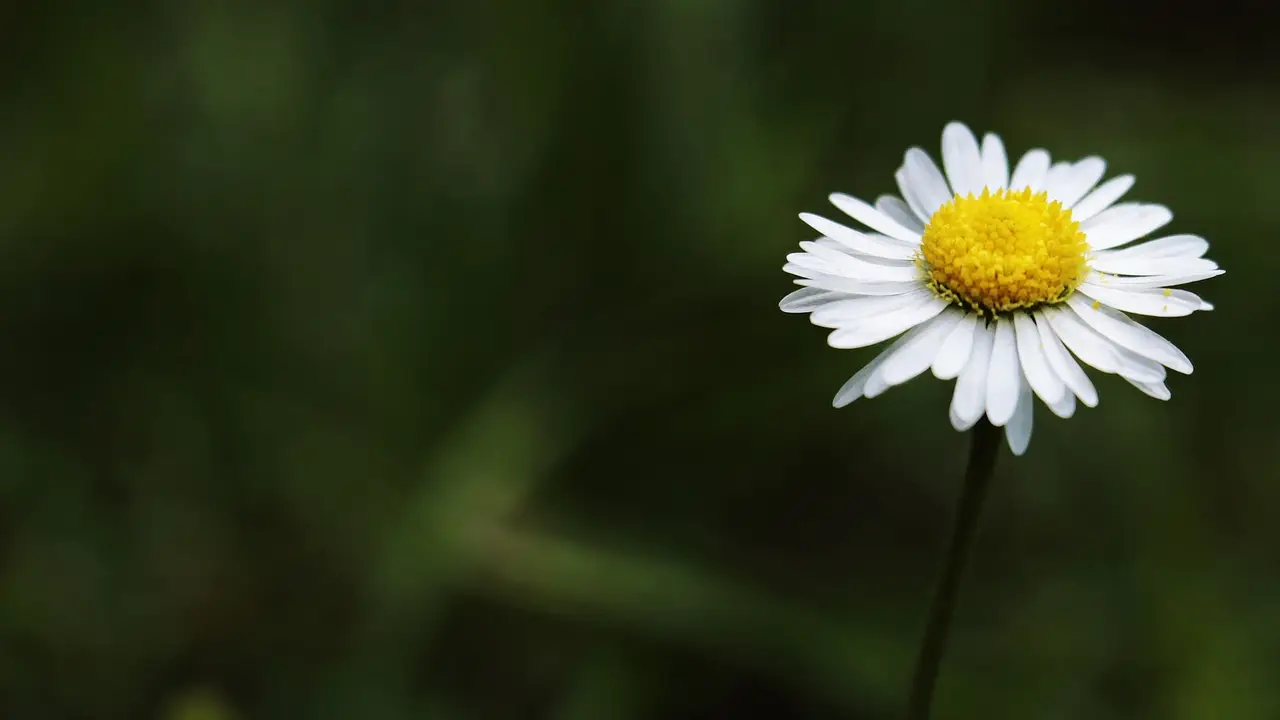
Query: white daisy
[(996, 281)]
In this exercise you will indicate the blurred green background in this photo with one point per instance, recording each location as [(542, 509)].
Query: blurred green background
[(422, 360)]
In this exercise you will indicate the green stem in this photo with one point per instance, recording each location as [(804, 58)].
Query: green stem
[(977, 478)]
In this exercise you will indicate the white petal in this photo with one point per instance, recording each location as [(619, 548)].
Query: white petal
[(834, 249), (853, 310), (856, 385), (876, 384), (829, 244), (995, 164), (855, 240), (1004, 375), (1137, 368), (1058, 173), (926, 182), (1105, 231), (807, 300), (1101, 197), (1200, 302), (1173, 246), (886, 325), (917, 355), (817, 262), (1118, 328), (1157, 302), (1095, 350), (969, 401), (1149, 281), (839, 255), (1073, 184), (1100, 351), (1111, 214), (958, 422), (1066, 367), (1018, 431), (1064, 408), (811, 266), (1157, 390), (823, 260), (1031, 171), (1157, 266), (962, 159), (1035, 366), (910, 195), (954, 353), (874, 219), (900, 212), (857, 287)]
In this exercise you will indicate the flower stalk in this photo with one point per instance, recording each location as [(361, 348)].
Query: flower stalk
[(977, 478)]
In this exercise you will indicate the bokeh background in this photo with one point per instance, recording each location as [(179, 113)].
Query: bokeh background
[(422, 360)]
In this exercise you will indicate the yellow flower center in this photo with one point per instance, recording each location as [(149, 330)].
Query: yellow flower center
[(1004, 250)]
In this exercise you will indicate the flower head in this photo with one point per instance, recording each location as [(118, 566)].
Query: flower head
[(1000, 282)]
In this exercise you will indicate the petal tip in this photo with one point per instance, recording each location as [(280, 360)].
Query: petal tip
[(1018, 449)]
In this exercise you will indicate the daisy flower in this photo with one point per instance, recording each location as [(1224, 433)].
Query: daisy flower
[(1000, 282)]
